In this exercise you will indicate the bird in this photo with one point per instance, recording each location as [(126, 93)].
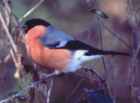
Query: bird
[(55, 49)]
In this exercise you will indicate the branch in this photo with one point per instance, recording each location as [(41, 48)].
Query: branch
[(21, 94), (101, 44), (31, 10), (50, 91), (25, 93), (8, 34), (16, 55), (115, 34)]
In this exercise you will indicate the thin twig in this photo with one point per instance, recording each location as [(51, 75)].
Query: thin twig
[(7, 5), (96, 74), (101, 44), (24, 92), (14, 51), (5, 60), (114, 34), (17, 62), (7, 11), (7, 100), (8, 34), (31, 10), (74, 90), (20, 93), (50, 91)]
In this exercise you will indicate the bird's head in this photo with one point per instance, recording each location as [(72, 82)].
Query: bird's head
[(31, 23), (35, 28)]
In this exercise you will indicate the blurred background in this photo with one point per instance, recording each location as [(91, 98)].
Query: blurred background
[(73, 17)]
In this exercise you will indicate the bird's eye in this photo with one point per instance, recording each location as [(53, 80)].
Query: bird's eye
[(24, 27)]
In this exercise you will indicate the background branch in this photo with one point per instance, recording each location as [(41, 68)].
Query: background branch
[(31, 10)]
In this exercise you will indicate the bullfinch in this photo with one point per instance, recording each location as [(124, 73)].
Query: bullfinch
[(52, 48)]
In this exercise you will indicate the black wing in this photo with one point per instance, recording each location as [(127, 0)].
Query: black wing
[(78, 45), (53, 45), (74, 45)]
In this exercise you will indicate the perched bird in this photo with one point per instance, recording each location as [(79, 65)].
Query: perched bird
[(53, 48)]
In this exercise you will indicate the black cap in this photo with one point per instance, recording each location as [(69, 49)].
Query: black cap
[(34, 22)]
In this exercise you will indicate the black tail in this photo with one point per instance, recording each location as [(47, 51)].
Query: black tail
[(78, 45), (104, 52)]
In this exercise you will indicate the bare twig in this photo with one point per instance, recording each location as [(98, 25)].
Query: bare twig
[(26, 91), (7, 5), (7, 100), (14, 51), (18, 64), (74, 90), (114, 34), (5, 60), (23, 92), (7, 11), (31, 10), (8, 33), (101, 44), (49, 91)]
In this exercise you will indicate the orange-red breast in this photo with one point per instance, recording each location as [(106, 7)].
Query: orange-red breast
[(53, 48)]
